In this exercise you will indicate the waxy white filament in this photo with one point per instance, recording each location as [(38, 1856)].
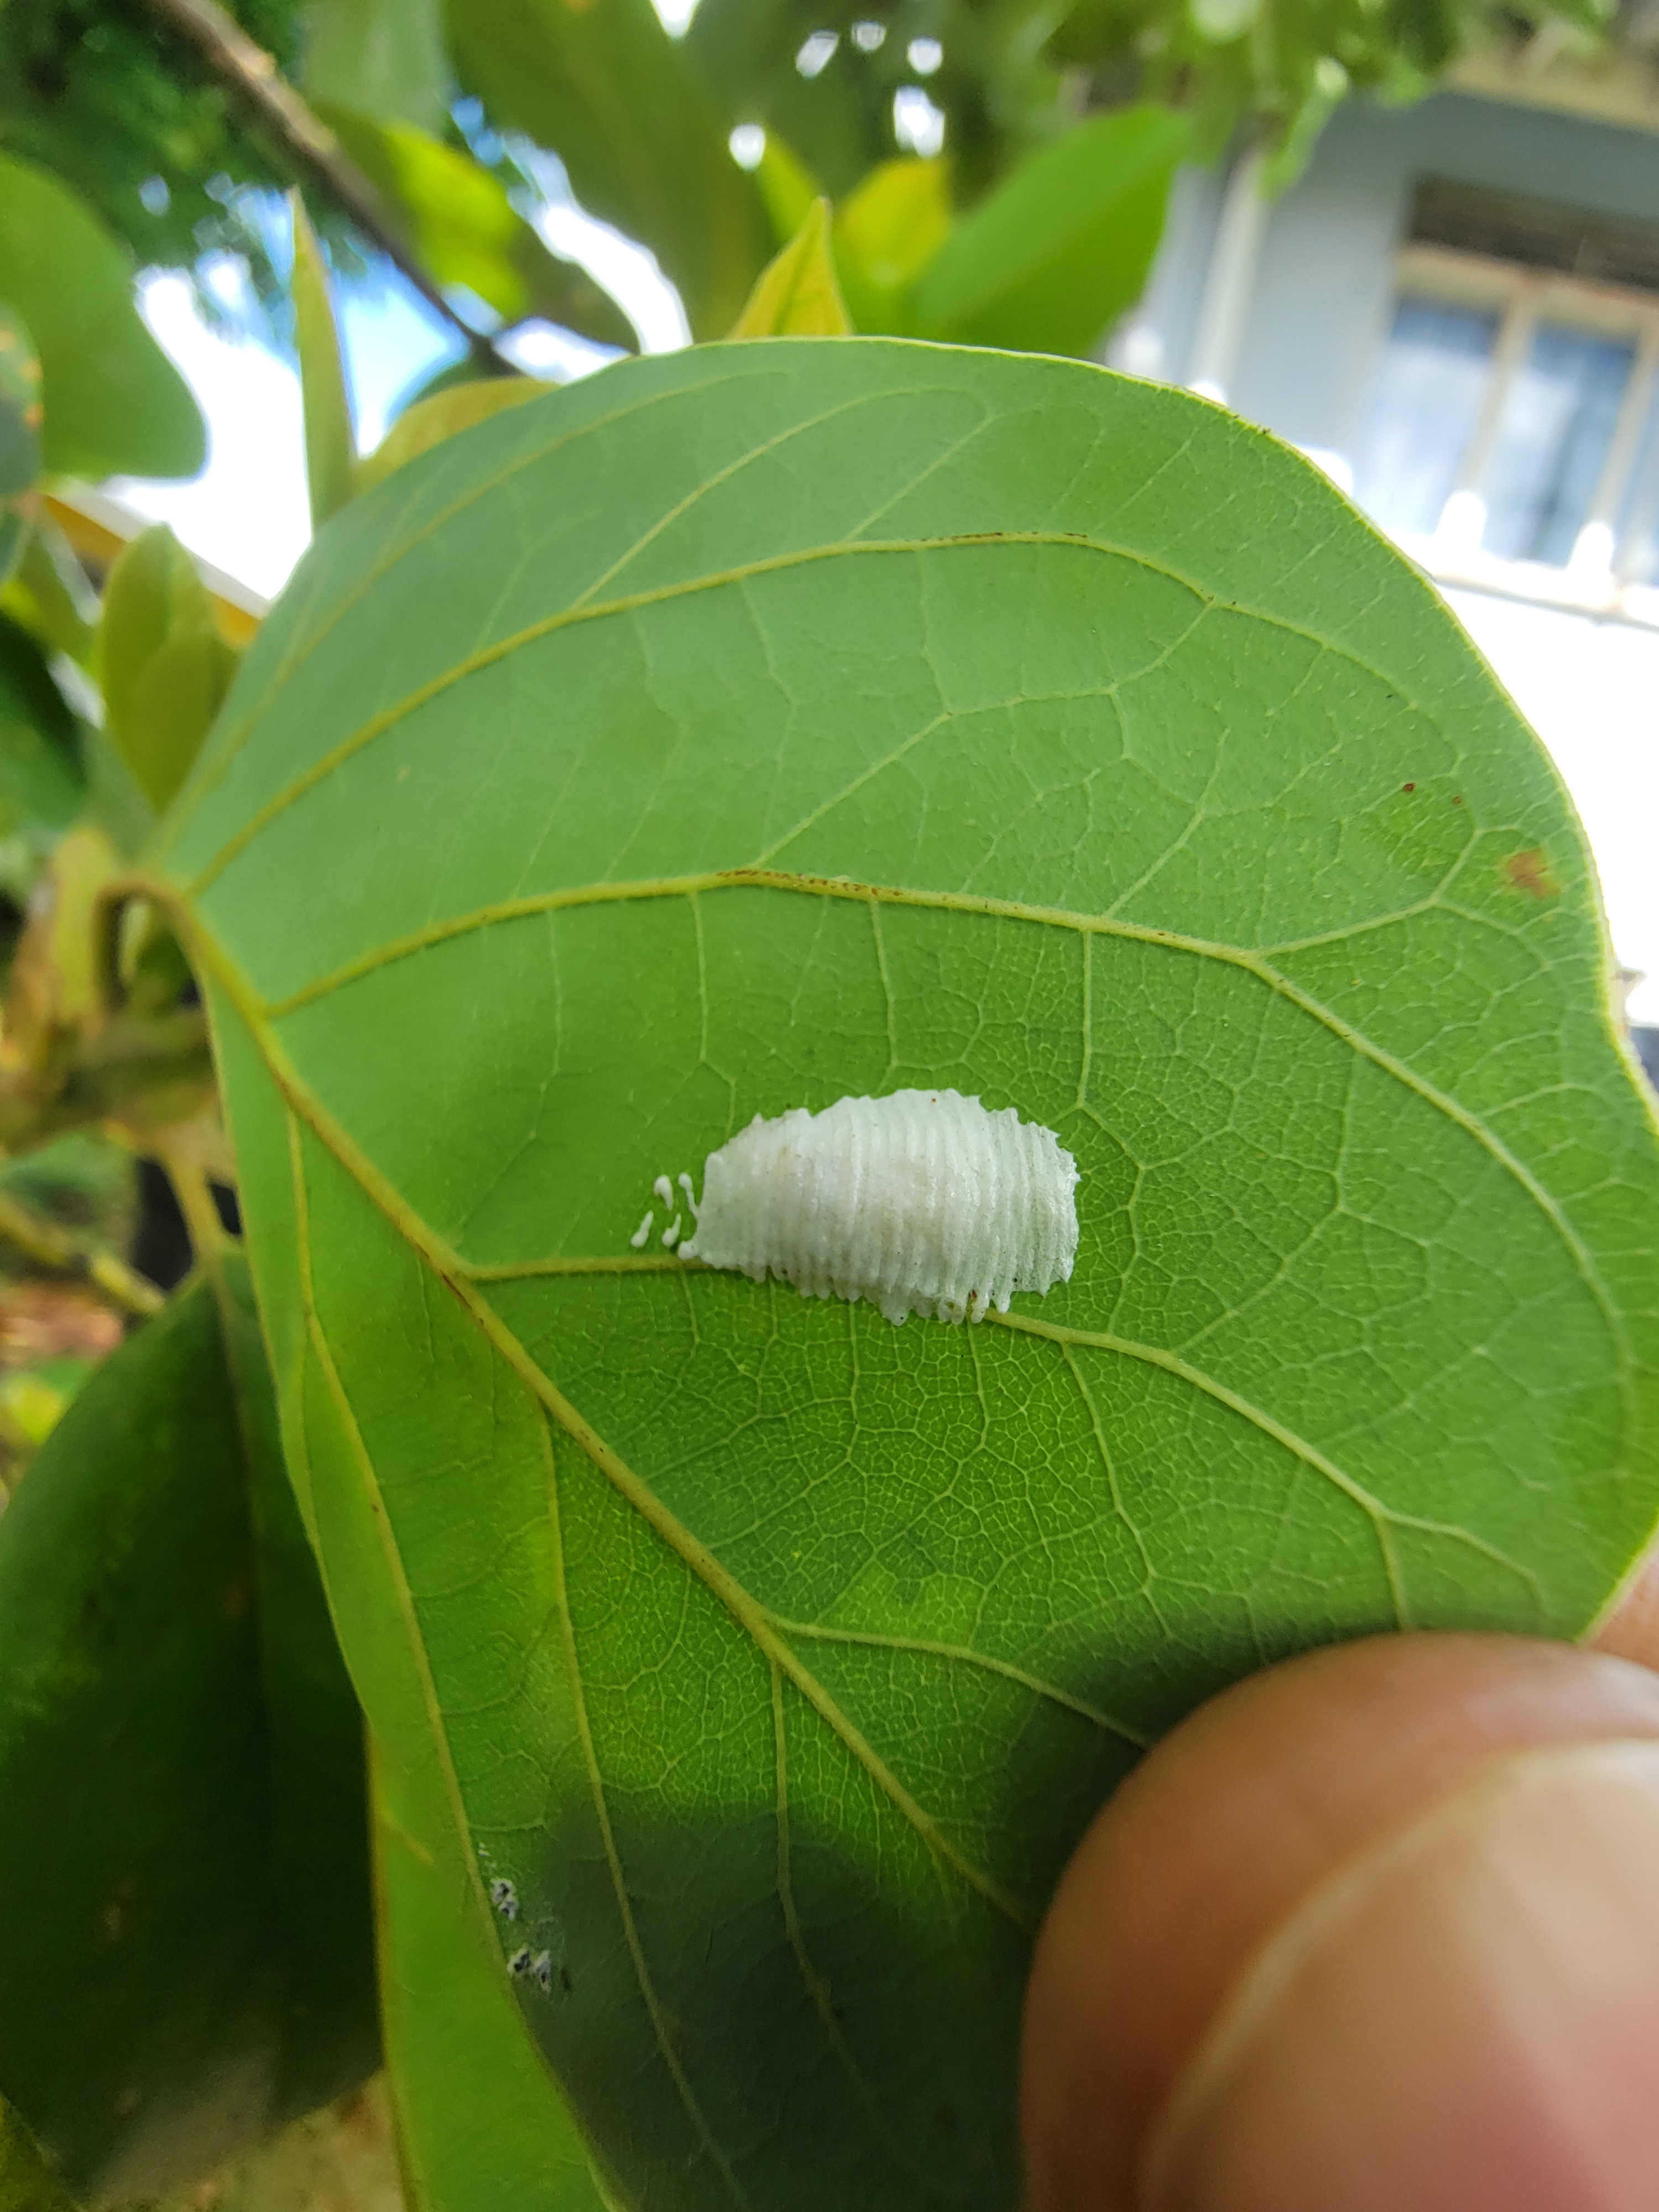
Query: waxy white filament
[(920, 1202)]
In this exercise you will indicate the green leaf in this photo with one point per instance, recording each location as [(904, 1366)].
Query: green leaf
[(786, 186), (1050, 258), (383, 57), (162, 665), (14, 534), (49, 596), (114, 403), (28, 2183), (796, 295), (1223, 20), (479, 2119), (42, 785), (840, 121), (886, 233), (180, 1774), (429, 422), (606, 87), (330, 448), (743, 729), (466, 231), (21, 416), (1327, 87)]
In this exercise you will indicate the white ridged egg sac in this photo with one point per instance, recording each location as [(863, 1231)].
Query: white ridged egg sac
[(922, 1201)]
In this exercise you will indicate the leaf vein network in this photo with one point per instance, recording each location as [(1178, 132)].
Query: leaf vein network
[(629, 604), (1251, 962), (303, 1102), (607, 1835)]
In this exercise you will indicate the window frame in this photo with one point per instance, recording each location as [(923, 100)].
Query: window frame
[(1523, 298)]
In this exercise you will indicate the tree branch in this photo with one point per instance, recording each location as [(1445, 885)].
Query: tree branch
[(50, 1246), (248, 72)]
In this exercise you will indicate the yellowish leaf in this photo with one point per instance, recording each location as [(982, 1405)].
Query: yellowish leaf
[(886, 232), (429, 422), (331, 452), (797, 294)]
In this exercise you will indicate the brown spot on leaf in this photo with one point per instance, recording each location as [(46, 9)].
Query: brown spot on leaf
[(1529, 872), (235, 1599), (1408, 786)]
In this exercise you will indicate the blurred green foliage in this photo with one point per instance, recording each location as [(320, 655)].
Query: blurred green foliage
[(127, 113)]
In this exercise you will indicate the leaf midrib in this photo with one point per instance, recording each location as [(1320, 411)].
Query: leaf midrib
[(1254, 963), (447, 1268), (766, 1630)]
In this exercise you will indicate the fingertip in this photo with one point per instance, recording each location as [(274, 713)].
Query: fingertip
[(1468, 2014), (1630, 1628), (1224, 1832)]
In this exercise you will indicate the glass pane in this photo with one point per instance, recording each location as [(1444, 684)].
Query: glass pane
[(1423, 408), (1558, 423), (1638, 558)]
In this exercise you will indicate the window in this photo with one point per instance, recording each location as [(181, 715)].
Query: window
[(1513, 416)]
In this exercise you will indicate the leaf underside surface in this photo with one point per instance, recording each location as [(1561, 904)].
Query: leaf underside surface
[(186, 1959), (771, 723)]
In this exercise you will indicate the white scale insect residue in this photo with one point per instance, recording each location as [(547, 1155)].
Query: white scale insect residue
[(921, 1202)]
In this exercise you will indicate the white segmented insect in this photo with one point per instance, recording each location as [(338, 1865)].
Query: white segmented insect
[(664, 1189), (504, 1898), (923, 1201), (637, 1240), (541, 1967), (519, 1965)]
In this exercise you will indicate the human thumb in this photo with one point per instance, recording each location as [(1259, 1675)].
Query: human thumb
[(1376, 1930)]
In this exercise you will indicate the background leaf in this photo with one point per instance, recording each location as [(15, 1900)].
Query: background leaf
[(331, 447), (19, 436), (28, 2183), (429, 422), (181, 1775), (49, 596), (1060, 249), (386, 58), (114, 403), (887, 232), (796, 295), (42, 784), (606, 89), (467, 232), (760, 725), (786, 186), (162, 665)]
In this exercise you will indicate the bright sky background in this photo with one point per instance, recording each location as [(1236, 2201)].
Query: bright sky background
[(1589, 688)]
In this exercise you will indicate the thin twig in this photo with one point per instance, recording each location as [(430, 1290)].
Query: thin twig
[(49, 1246), (208, 1235), (250, 74)]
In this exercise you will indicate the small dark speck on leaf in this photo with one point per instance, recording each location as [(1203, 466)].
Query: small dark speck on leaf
[(1529, 872), (1457, 799), (1408, 786)]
